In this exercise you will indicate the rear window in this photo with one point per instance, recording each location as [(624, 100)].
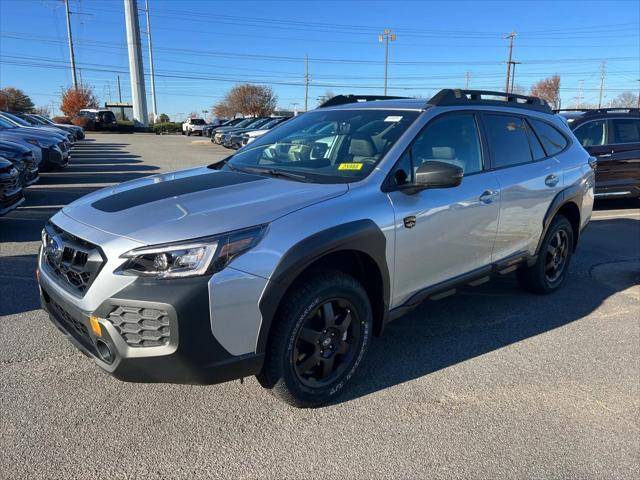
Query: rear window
[(508, 142), (552, 140), (197, 121), (625, 130)]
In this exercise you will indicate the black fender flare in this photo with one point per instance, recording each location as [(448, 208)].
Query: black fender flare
[(570, 194), (362, 235)]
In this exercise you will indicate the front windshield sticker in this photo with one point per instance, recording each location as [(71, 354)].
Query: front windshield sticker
[(350, 166), (393, 118)]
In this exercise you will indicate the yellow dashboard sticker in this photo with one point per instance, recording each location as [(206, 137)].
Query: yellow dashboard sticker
[(350, 166)]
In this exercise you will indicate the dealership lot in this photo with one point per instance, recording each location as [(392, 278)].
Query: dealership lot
[(490, 382)]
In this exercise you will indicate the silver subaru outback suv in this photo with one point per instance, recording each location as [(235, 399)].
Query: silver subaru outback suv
[(283, 260)]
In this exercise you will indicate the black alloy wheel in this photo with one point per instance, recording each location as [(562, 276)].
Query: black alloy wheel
[(326, 343)]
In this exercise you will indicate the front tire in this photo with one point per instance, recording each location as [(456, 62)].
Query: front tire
[(548, 273), (322, 334)]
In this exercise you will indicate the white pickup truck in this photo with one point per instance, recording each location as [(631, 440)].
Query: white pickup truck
[(193, 125)]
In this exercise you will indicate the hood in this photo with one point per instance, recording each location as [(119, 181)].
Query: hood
[(15, 149), (32, 132), (194, 203)]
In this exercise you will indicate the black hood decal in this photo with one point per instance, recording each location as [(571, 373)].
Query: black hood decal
[(171, 188)]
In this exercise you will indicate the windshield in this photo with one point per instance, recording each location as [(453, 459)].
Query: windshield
[(6, 124), (17, 120), (245, 122), (27, 119), (326, 146), (198, 121), (35, 120)]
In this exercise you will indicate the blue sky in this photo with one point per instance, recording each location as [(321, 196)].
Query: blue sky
[(202, 48)]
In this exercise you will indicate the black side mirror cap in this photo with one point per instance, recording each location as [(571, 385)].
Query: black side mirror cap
[(434, 174)]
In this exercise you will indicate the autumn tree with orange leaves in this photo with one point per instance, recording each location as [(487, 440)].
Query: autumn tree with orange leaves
[(75, 99)]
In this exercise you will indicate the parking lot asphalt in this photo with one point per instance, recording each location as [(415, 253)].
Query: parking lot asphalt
[(489, 383)]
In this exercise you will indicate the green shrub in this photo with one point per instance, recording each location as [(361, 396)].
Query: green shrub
[(125, 126), (63, 120), (167, 127)]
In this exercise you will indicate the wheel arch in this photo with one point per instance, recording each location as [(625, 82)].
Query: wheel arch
[(356, 248), (566, 203)]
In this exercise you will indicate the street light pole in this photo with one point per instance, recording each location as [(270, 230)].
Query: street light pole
[(385, 37), (153, 80)]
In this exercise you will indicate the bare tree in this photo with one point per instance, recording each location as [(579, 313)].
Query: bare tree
[(625, 99), (248, 99), (43, 110), (223, 110), (548, 89)]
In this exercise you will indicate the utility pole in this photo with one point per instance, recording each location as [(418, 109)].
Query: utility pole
[(71, 54), (513, 74), (306, 82), (119, 91), (602, 70), (511, 36), (580, 96), (385, 37), (136, 71), (467, 79), (153, 81)]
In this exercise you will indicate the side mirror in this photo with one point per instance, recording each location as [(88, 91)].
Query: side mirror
[(433, 174)]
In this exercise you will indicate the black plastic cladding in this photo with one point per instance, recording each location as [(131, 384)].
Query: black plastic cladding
[(362, 236)]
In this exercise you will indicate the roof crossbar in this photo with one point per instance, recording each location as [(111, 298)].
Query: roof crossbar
[(344, 99), (457, 97)]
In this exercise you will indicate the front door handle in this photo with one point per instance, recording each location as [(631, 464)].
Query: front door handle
[(488, 196), (551, 181), (604, 155)]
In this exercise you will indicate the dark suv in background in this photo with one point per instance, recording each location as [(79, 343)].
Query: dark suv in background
[(612, 135)]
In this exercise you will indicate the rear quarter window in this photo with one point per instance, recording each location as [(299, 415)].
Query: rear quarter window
[(552, 140), (625, 130), (508, 142)]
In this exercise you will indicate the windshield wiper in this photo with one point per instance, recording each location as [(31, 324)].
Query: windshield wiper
[(276, 173)]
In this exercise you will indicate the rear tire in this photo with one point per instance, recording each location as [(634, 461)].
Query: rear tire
[(322, 334), (548, 273)]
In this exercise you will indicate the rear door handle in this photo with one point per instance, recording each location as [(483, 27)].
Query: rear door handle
[(552, 180), (488, 196)]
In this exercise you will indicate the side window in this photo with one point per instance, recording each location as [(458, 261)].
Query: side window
[(591, 134), (402, 172), (552, 140), (536, 148), (508, 142), (625, 130), (451, 139)]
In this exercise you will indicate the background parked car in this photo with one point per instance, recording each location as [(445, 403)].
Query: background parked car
[(11, 194), (206, 131), (217, 134), (230, 142), (54, 149), (103, 119), (19, 122), (42, 120), (245, 137), (24, 161), (193, 125), (612, 135)]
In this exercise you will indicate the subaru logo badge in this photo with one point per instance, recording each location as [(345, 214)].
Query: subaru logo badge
[(54, 248)]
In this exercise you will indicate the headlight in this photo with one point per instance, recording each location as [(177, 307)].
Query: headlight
[(204, 256)]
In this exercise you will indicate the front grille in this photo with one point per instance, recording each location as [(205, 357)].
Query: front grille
[(10, 185), (75, 262), (141, 326), (78, 327), (30, 174)]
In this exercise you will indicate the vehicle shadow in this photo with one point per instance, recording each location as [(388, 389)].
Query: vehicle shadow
[(479, 320), (18, 282), (93, 165)]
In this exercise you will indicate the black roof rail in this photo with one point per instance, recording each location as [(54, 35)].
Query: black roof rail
[(344, 99), (457, 97), (593, 111)]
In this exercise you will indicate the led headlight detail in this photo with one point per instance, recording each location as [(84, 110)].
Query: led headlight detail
[(188, 259)]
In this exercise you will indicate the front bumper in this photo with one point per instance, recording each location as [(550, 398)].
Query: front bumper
[(189, 353)]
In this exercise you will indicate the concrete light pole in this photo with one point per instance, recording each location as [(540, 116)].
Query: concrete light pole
[(153, 80), (136, 71), (385, 37)]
